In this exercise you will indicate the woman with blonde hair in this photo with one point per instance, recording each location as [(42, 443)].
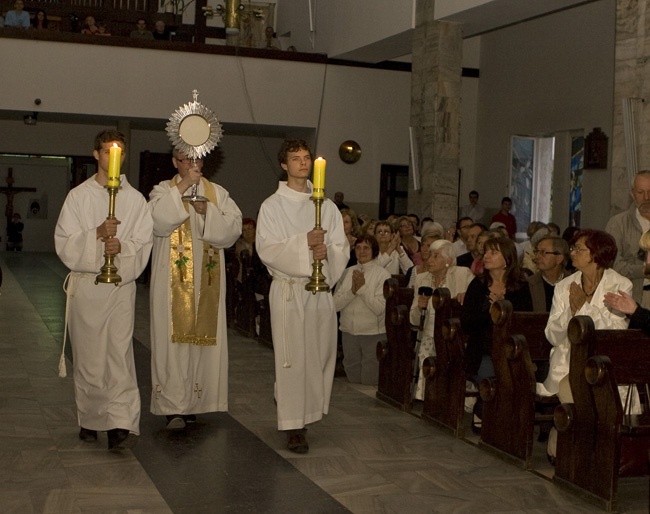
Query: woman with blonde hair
[(432, 232), (410, 242)]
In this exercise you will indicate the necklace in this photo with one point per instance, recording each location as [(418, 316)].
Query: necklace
[(582, 283)]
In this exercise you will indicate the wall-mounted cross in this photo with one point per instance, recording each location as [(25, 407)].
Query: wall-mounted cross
[(10, 191)]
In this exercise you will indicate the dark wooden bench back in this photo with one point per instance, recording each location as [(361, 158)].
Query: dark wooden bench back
[(597, 441), (444, 394), (509, 411), (396, 354)]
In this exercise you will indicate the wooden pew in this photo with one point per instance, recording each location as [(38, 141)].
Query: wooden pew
[(510, 401), (597, 440), (246, 308), (263, 287), (444, 393), (395, 355), (232, 287)]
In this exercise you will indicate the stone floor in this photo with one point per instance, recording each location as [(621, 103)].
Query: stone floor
[(365, 457)]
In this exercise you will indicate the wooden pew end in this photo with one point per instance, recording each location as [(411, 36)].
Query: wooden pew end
[(429, 367), (381, 350), (488, 389), (595, 369), (563, 416)]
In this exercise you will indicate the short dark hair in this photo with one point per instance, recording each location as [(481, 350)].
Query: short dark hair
[(601, 245), (248, 221), (473, 193), (108, 135), (464, 218), (559, 245), (367, 238), (506, 199), (292, 145)]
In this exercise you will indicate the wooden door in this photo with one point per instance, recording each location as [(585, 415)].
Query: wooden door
[(394, 190)]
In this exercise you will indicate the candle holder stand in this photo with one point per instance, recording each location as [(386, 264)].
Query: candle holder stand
[(317, 282), (108, 273)]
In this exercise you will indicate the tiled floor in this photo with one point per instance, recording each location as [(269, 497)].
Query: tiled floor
[(365, 457)]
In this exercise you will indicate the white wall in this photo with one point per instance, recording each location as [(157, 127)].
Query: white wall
[(547, 75), (283, 97), (149, 83), (341, 26)]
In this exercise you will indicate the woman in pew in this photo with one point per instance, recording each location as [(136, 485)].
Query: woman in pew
[(502, 279), (441, 272), (359, 297), (583, 293), (432, 232), (392, 255)]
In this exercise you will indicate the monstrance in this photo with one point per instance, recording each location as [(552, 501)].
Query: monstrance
[(195, 131)]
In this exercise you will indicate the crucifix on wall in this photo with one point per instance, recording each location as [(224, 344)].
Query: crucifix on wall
[(10, 191)]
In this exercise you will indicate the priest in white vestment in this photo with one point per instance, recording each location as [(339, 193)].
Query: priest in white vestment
[(189, 338), (101, 316), (303, 323)]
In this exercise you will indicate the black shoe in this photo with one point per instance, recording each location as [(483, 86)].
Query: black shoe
[(296, 441), (87, 436), (189, 418), (175, 422), (477, 423), (120, 439), (551, 459)]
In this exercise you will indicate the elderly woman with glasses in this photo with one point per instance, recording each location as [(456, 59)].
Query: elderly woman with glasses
[(392, 255), (441, 272)]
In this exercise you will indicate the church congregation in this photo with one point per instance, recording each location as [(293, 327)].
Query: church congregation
[(460, 306)]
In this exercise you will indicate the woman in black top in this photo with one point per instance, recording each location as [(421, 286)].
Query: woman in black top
[(502, 279)]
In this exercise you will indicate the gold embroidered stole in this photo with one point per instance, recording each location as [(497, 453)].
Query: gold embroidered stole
[(191, 325)]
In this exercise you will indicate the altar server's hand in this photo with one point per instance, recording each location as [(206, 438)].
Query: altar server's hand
[(112, 246), (107, 229)]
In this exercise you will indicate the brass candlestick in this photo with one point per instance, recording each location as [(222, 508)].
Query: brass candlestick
[(108, 273), (317, 282)]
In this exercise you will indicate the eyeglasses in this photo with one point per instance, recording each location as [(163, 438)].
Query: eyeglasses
[(187, 160), (544, 253), (578, 250), (383, 232)]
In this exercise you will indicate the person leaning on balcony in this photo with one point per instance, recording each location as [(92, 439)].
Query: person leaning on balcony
[(18, 18), (141, 31), (90, 27)]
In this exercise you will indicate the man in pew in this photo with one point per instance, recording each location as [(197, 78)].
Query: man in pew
[(627, 228), (550, 255), (473, 252)]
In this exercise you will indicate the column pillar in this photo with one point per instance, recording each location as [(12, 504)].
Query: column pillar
[(631, 73), (435, 114)]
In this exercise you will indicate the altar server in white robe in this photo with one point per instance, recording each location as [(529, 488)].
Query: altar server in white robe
[(189, 338), (303, 323), (100, 316)]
